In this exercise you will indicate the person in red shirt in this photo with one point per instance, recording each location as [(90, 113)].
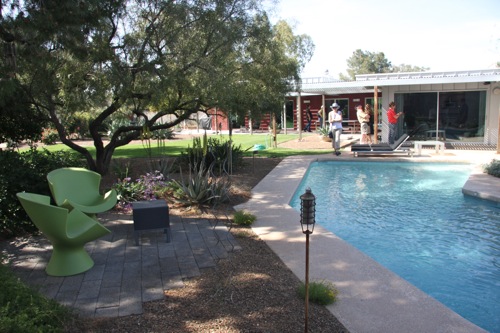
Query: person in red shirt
[(392, 117)]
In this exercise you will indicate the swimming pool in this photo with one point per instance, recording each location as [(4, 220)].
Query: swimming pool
[(413, 219)]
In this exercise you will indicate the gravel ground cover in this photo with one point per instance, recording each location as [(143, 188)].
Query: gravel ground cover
[(252, 291)]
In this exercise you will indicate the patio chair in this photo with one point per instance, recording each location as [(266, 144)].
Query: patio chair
[(68, 231), (419, 133), (79, 188), (382, 148)]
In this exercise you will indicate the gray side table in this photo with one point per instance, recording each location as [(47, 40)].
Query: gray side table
[(150, 215)]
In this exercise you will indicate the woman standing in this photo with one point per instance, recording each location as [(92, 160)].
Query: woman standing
[(369, 112), (321, 115), (335, 120)]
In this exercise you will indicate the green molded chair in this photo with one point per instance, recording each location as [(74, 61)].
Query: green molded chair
[(79, 188), (68, 231)]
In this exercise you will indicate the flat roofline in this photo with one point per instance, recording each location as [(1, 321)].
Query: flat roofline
[(367, 81)]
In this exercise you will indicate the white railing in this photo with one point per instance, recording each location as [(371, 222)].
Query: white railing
[(427, 75), (319, 80)]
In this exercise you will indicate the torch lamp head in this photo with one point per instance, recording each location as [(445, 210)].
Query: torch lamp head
[(307, 211)]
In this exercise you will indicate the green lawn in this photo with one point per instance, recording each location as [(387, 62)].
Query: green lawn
[(176, 146)]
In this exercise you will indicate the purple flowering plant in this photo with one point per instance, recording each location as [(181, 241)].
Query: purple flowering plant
[(146, 187)]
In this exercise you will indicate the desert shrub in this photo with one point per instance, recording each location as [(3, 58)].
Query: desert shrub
[(120, 167), (25, 310), (116, 123), (26, 172), (79, 123), (165, 166), (163, 134), (220, 150), (244, 218), (212, 152), (200, 189), (49, 136), (146, 187), (196, 155), (320, 292), (492, 168), (127, 191)]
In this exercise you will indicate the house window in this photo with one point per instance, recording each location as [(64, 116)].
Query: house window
[(343, 103), (461, 115), (371, 101)]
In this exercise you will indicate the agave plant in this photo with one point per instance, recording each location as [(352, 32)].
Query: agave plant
[(200, 189), (323, 131)]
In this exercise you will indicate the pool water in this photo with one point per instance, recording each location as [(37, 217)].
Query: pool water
[(413, 219)]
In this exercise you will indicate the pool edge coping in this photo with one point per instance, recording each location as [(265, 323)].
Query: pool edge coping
[(371, 297)]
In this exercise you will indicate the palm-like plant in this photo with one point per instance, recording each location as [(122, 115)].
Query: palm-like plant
[(323, 131)]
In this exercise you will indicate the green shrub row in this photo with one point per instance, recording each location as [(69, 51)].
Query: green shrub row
[(24, 310), (26, 172), (198, 189), (203, 160)]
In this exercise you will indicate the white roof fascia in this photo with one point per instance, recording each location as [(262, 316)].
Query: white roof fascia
[(336, 88), (366, 82), (302, 94), (413, 78)]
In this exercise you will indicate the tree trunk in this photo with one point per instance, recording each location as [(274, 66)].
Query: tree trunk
[(103, 161)]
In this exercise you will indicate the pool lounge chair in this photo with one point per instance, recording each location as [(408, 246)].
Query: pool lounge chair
[(382, 148)]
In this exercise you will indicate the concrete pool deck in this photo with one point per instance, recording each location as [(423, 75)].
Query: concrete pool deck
[(371, 298)]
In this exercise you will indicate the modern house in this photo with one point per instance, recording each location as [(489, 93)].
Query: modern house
[(458, 107)]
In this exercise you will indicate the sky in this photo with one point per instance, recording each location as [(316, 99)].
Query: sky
[(443, 35)]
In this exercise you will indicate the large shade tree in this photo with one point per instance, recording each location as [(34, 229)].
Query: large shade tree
[(119, 59), (366, 62), (18, 121), (273, 60)]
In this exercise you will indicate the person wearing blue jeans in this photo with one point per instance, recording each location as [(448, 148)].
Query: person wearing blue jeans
[(309, 118), (392, 118)]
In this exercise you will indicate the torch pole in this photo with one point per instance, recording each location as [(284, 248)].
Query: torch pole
[(307, 284)]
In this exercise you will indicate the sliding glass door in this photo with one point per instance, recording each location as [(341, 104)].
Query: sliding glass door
[(449, 116)]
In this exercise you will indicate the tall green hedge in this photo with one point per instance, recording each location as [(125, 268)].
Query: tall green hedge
[(26, 172)]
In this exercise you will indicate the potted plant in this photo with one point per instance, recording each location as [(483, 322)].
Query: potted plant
[(323, 132)]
